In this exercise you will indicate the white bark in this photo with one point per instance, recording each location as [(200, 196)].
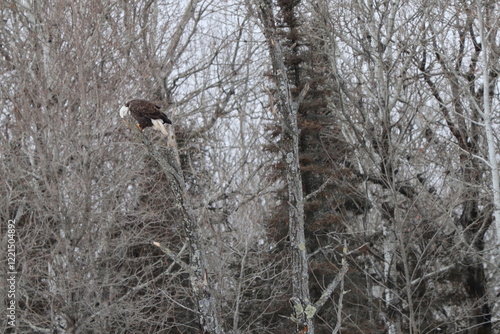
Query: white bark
[(492, 155), (389, 296)]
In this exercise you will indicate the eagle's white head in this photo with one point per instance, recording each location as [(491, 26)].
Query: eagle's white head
[(124, 111)]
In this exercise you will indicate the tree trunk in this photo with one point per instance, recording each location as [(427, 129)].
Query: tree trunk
[(206, 302), (487, 95), (303, 309)]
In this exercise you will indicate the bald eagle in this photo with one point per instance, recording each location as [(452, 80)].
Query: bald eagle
[(146, 114)]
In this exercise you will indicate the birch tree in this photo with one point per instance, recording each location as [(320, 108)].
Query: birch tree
[(490, 78)]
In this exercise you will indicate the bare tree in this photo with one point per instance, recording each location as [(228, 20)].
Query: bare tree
[(490, 77), (93, 198), (300, 103), (331, 172), (303, 309), (415, 134)]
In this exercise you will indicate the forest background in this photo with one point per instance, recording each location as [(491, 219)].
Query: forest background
[(331, 167)]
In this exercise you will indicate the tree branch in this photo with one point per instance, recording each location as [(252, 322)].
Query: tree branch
[(173, 256)]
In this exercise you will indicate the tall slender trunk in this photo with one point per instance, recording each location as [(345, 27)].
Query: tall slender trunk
[(208, 315), (287, 108), (487, 92)]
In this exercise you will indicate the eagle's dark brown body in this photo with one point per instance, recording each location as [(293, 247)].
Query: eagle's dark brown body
[(146, 114)]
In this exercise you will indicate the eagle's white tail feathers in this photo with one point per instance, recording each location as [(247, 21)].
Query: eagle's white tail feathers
[(158, 124)]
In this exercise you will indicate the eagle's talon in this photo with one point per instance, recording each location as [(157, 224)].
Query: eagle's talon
[(139, 126)]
